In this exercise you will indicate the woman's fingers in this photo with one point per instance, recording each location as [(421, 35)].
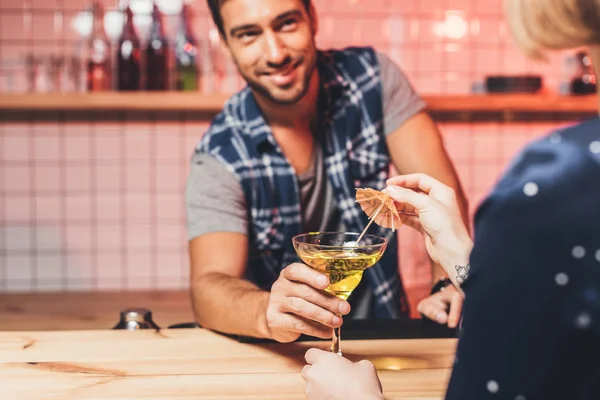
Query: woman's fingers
[(426, 184), (406, 209), (419, 181), (408, 197), (411, 221)]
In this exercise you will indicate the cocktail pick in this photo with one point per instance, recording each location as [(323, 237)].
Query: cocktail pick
[(370, 222), (379, 207)]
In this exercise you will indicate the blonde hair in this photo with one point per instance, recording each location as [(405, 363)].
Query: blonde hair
[(540, 25)]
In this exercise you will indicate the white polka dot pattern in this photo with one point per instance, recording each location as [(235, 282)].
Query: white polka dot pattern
[(520, 397), (583, 320), (595, 147), (530, 189), (598, 255), (493, 387), (555, 138), (578, 252), (561, 279)]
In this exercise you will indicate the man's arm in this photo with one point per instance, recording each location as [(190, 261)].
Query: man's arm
[(221, 299), (218, 247), (417, 146), (218, 244)]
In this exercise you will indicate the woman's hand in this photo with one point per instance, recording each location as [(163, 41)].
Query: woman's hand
[(332, 377), (431, 208)]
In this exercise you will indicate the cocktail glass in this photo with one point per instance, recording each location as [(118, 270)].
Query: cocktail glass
[(342, 259)]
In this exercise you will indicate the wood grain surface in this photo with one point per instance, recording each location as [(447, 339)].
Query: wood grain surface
[(198, 364), (88, 310)]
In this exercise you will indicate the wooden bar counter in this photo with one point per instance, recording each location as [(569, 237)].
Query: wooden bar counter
[(89, 310), (198, 364), (100, 310)]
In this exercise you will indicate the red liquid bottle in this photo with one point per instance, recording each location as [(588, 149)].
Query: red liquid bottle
[(99, 76)]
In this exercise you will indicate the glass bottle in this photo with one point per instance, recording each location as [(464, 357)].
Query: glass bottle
[(99, 77), (157, 54), (186, 51), (584, 80), (129, 56)]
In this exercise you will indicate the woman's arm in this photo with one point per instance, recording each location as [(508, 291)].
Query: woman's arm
[(531, 322), (431, 207)]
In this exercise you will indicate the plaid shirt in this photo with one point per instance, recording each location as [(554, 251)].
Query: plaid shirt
[(355, 154)]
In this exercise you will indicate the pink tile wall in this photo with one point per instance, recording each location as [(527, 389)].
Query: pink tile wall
[(99, 205), (444, 46), (94, 206)]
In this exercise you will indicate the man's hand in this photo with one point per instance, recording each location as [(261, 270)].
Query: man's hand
[(443, 307), (332, 377), (299, 305)]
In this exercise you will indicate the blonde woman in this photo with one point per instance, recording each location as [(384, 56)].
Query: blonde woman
[(531, 322)]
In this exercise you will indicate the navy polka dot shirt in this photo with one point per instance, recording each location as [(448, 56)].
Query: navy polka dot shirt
[(531, 322)]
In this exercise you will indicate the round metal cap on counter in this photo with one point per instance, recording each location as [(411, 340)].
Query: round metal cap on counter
[(136, 318)]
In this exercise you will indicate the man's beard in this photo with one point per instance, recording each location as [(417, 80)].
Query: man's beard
[(259, 88)]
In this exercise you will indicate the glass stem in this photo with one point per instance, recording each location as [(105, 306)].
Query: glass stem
[(335, 341)]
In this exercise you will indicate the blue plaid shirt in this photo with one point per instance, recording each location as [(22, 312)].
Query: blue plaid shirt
[(355, 154)]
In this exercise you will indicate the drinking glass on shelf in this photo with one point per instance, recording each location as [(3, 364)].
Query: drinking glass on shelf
[(337, 255)]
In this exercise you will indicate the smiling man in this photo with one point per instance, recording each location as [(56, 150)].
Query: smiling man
[(284, 157)]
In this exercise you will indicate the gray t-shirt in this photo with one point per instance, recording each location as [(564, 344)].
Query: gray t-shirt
[(215, 200)]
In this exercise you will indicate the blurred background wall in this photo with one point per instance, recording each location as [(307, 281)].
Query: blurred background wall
[(94, 201)]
